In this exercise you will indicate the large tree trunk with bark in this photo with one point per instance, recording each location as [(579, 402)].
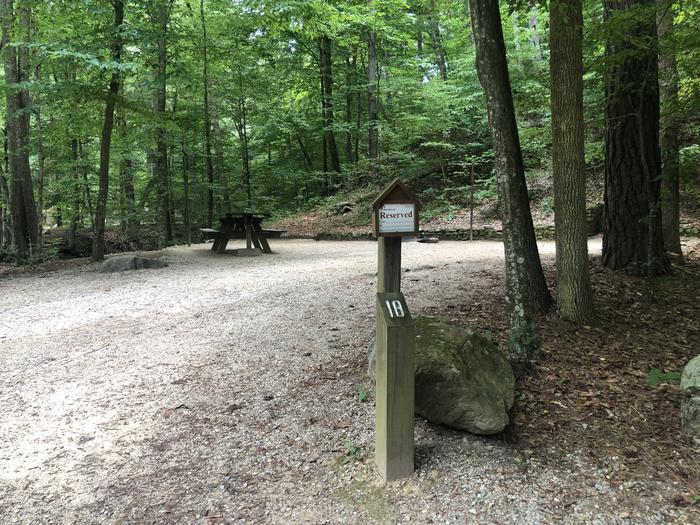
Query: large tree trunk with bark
[(98, 245), (161, 18), (632, 237), (669, 139), (574, 293), (21, 194), (526, 288)]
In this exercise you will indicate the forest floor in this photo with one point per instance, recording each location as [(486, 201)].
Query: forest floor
[(227, 390)]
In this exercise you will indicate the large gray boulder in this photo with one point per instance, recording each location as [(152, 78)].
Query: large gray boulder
[(122, 263), (462, 379), (690, 406)]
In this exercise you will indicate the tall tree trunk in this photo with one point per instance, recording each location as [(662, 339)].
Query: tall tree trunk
[(350, 87), (76, 192), (632, 237), (574, 293), (222, 182), (669, 139), (98, 245), (526, 288), (245, 152), (373, 110), (302, 148), (160, 19), (327, 102), (128, 192), (41, 158), (436, 39), (207, 120), (21, 193), (87, 194), (241, 121), (186, 189), (5, 234)]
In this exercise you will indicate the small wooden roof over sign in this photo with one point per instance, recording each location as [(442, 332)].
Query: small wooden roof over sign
[(395, 211), (395, 192)]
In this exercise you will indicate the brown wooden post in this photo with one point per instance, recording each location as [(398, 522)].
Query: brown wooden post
[(389, 270), (395, 216), (395, 372)]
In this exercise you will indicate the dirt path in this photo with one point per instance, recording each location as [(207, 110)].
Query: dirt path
[(225, 390)]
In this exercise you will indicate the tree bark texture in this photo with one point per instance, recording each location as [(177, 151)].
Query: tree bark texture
[(373, 110), (241, 121), (669, 139), (350, 87), (632, 236), (574, 293), (327, 102), (21, 193), (98, 245), (207, 121), (161, 18), (526, 288)]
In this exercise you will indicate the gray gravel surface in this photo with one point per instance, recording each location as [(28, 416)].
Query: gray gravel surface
[(225, 389)]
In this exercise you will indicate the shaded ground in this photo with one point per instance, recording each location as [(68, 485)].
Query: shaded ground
[(225, 390)]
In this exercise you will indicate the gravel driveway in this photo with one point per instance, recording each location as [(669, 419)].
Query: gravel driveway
[(225, 390)]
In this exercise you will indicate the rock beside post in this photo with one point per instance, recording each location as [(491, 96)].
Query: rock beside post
[(123, 263), (690, 406), (462, 379)]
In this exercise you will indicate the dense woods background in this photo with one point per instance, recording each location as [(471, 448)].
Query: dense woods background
[(141, 120)]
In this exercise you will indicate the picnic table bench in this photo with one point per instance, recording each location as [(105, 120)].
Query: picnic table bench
[(246, 226)]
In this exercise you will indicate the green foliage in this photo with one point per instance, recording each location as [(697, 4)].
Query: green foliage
[(353, 452), (264, 74), (656, 376), (362, 394)]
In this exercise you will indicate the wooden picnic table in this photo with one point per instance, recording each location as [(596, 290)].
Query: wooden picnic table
[(246, 226)]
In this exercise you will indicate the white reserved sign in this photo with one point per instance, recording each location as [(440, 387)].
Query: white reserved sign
[(397, 218)]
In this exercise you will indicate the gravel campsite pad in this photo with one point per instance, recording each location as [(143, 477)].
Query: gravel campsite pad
[(225, 389)]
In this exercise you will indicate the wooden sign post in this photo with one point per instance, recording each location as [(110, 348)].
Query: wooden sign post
[(395, 216)]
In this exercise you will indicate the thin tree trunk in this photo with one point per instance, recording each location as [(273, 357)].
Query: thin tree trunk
[(373, 111), (436, 39), (21, 194), (305, 154), (327, 102), (574, 293), (161, 19), (207, 121), (241, 121), (126, 176), (526, 288), (98, 245), (41, 161), (87, 194), (350, 75), (186, 189), (632, 238), (669, 138), (222, 182), (5, 235), (76, 192)]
